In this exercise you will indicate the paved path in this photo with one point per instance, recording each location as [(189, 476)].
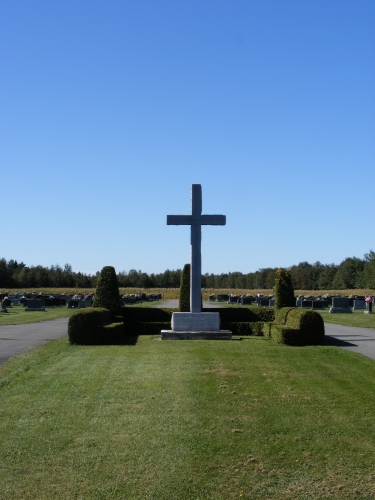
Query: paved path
[(15, 339), (361, 340)]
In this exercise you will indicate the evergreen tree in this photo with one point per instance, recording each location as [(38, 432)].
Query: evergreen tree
[(184, 305), (107, 293), (284, 291)]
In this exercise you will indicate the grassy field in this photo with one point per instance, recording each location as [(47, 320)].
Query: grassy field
[(187, 420)]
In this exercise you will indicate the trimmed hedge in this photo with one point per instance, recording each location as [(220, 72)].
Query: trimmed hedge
[(241, 321), (244, 328), (147, 314), (281, 315), (93, 327), (285, 335), (296, 326), (244, 314), (227, 314), (146, 328)]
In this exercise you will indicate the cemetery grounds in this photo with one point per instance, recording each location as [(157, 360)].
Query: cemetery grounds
[(187, 420)]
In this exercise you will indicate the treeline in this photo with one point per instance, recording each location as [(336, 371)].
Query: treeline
[(352, 273), (19, 275)]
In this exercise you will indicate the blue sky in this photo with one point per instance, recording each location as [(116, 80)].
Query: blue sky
[(111, 109)]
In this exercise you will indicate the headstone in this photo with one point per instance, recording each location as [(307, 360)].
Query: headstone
[(368, 307), (84, 303), (263, 301), (318, 304), (340, 305), (196, 324), (71, 304), (246, 299), (358, 304), (35, 305)]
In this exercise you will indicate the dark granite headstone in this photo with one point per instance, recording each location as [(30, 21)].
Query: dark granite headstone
[(72, 304), (340, 305), (34, 305)]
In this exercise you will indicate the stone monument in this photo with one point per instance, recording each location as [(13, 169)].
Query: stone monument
[(196, 324)]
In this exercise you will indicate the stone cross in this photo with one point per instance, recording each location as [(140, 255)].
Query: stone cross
[(196, 220)]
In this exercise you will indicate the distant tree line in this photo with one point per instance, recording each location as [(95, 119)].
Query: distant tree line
[(352, 273)]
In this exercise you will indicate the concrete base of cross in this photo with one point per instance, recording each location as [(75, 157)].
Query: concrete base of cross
[(195, 326), (195, 322)]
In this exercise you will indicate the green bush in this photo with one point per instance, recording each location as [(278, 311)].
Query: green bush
[(284, 335), (310, 323), (266, 328), (281, 315), (284, 291), (86, 326), (107, 292), (184, 302), (296, 326)]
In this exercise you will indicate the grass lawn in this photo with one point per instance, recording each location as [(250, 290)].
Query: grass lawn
[(207, 420), (356, 318), (17, 315)]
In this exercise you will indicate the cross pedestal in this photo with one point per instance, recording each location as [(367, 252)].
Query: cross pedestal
[(196, 324)]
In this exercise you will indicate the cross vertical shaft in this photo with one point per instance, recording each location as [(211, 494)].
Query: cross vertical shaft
[(195, 250)]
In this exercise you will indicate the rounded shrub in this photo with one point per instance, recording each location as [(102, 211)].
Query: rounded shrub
[(107, 292), (184, 304), (284, 291)]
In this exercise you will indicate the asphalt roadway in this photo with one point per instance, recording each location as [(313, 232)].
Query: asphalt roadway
[(16, 339), (361, 340)]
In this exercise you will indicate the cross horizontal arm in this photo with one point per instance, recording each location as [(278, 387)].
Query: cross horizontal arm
[(213, 220), (180, 220), (188, 220)]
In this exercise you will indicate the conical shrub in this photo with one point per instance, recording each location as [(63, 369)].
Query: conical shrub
[(107, 292), (284, 291), (184, 304)]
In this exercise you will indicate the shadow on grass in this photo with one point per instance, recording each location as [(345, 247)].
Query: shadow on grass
[(128, 340)]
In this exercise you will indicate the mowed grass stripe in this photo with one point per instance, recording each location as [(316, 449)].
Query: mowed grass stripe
[(206, 420)]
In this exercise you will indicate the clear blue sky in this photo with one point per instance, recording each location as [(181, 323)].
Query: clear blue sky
[(111, 109)]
